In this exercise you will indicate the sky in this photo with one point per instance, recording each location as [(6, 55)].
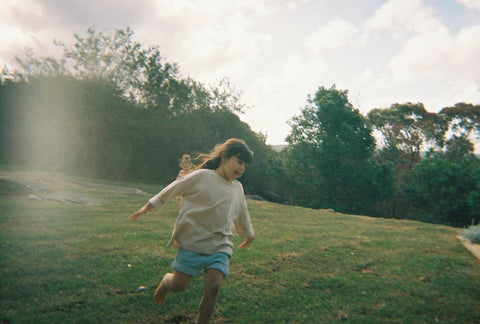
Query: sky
[(278, 52)]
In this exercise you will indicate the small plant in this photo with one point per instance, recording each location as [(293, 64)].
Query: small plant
[(472, 234)]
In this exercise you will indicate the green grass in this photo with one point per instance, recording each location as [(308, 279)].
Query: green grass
[(69, 263)]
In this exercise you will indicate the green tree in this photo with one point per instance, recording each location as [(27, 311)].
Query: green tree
[(463, 122), (444, 191), (141, 74), (408, 129), (330, 156)]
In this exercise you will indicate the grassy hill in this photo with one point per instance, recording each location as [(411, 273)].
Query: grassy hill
[(64, 262)]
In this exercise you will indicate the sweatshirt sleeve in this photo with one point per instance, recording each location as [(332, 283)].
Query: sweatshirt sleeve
[(243, 225), (177, 188)]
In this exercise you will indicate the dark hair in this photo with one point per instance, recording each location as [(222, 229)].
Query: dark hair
[(232, 147)]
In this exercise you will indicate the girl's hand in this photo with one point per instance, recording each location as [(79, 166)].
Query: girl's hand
[(141, 211), (135, 216), (245, 243)]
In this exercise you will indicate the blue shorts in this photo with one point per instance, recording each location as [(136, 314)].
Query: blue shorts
[(191, 263)]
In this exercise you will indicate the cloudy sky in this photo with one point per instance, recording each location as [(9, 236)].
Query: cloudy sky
[(277, 52)]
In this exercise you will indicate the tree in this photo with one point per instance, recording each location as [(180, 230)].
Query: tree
[(331, 156), (463, 121), (444, 191), (459, 148), (408, 129), (141, 74)]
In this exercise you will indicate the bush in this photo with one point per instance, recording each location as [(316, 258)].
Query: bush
[(472, 234), (441, 188)]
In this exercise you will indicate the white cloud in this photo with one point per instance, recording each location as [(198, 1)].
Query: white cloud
[(208, 37), (13, 36), (404, 17), (440, 54), (10, 37), (466, 51), (334, 35), (25, 11), (426, 53), (471, 4), (428, 49), (281, 93), (293, 72), (430, 64), (293, 5)]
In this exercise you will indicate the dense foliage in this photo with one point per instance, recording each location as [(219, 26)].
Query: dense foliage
[(331, 154), (85, 127), (425, 168), (109, 108), (436, 171), (439, 190)]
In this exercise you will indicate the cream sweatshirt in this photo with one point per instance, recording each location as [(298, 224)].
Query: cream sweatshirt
[(211, 208)]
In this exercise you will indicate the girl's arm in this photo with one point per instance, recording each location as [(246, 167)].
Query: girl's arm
[(243, 226), (176, 188), (145, 209)]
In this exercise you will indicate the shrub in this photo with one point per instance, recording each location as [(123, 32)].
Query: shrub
[(472, 234)]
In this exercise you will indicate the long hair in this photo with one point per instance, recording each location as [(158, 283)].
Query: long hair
[(232, 147)]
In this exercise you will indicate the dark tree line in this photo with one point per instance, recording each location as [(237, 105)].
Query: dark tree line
[(85, 127), (110, 108)]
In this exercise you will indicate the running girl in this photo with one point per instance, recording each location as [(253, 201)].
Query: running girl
[(213, 203)]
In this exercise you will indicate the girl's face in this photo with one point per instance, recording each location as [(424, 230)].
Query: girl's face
[(233, 167)]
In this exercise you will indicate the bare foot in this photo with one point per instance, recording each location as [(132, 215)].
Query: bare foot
[(160, 294)]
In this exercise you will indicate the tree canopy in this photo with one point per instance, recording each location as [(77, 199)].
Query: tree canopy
[(140, 74), (330, 157)]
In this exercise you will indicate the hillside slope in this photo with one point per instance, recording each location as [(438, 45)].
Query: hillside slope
[(68, 261)]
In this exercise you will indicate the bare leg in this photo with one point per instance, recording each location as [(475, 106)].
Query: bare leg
[(213, 283), (176, 282)]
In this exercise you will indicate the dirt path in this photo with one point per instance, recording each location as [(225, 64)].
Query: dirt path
[(473, 248)]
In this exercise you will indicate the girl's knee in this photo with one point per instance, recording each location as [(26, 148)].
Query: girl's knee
[(176, 283)]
